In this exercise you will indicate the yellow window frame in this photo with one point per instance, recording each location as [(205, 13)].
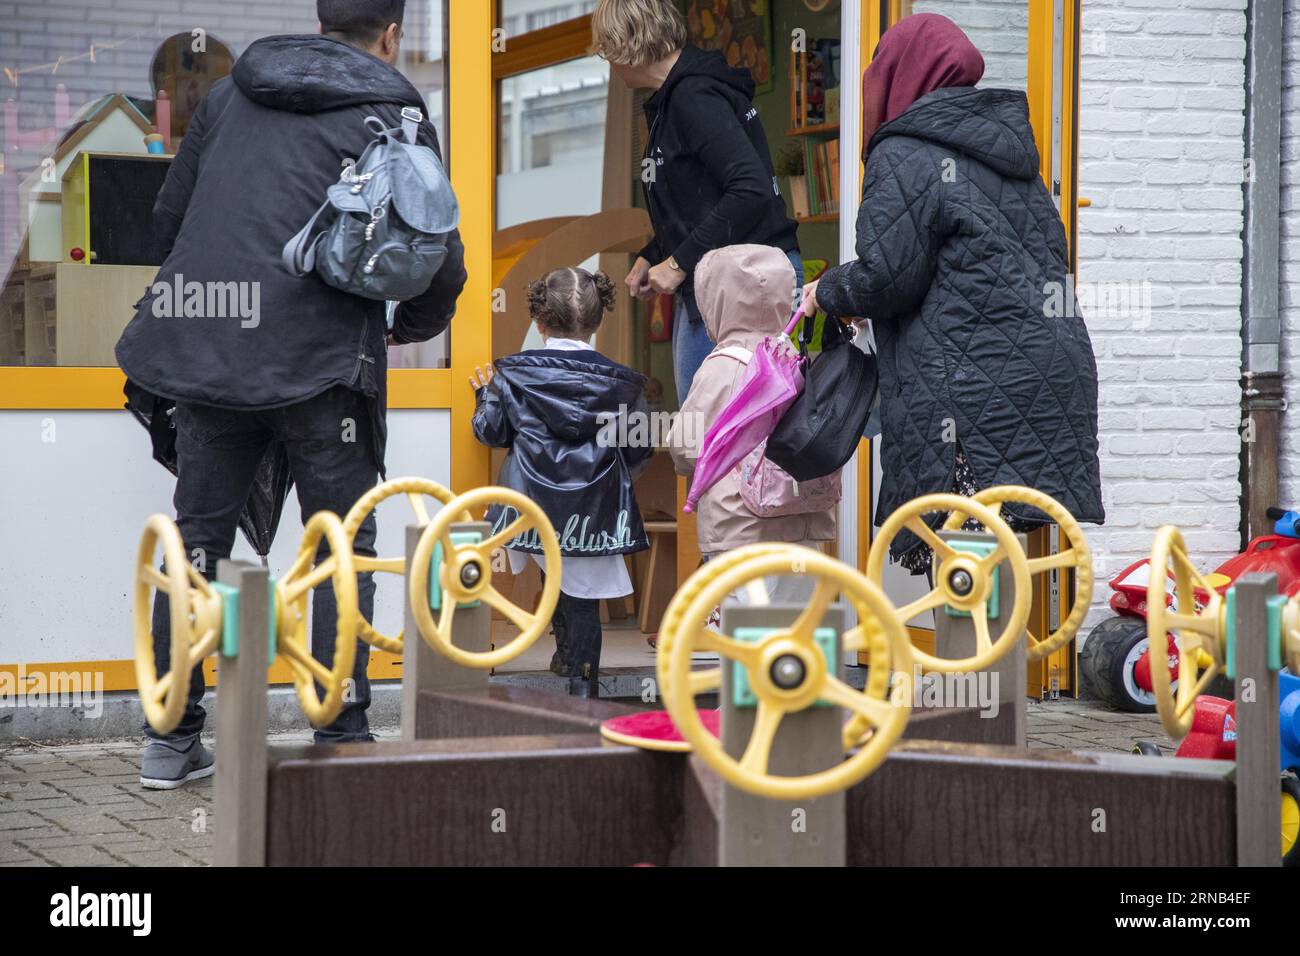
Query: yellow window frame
[(470, 133)]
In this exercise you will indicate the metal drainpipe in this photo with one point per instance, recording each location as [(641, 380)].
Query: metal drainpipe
[(1262, 396)]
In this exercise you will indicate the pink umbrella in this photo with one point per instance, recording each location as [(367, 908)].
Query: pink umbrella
[(770, 384)]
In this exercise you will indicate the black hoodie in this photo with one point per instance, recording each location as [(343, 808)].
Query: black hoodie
[(963, 267), (712, 183), (253, 167), (570, 420)]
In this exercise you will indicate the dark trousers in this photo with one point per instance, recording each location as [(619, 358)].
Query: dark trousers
[(576, 625), (331, 454)]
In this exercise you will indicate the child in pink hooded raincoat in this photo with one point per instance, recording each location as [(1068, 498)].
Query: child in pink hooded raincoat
[(744, 294)]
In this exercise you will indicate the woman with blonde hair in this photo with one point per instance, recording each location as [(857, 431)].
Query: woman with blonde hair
[(708, 178)]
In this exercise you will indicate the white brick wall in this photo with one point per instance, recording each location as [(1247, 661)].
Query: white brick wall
[(999, 28), (1161, 156), (1290, 253)]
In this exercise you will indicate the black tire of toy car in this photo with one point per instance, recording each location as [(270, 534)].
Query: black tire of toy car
[(1291, 785), (1102, 662), (1147, 748)]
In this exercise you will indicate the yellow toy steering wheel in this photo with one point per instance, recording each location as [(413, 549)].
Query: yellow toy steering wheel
[(465, 574), (292, 592), (1201, 633), (787, 671), (673, 618), (195, 623), (1077, 555), (415, 490), (963, 581)]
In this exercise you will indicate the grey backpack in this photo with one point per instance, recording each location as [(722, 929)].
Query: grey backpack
[(385, 222)]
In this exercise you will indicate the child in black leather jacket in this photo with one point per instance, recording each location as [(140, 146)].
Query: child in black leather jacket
[(568, 416)]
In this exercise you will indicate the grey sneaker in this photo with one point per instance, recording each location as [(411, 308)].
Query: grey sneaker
[(166, 766)]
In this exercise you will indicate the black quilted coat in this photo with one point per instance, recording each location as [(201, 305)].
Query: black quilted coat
[(962, 265)]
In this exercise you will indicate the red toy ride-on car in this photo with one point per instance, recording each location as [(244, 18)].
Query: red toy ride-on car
[(1114, 660), (1116, 664)]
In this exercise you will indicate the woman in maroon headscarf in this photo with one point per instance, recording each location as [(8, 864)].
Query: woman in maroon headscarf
[(987, 375)]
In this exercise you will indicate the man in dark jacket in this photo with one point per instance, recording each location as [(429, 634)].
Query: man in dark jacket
[(987, 375), (298, 363)]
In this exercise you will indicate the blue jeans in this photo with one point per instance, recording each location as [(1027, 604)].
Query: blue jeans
[(691, 342), (218, 453)]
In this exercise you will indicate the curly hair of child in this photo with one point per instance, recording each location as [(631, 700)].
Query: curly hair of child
[(570, 303)]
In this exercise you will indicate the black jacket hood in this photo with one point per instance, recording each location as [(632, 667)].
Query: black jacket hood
[(990, 125), (573, 397), (695, 62), (313, 73)]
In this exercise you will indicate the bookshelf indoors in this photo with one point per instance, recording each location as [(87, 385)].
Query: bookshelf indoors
[(810, 160)]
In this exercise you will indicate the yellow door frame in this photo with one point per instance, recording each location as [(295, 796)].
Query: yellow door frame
[(548, 46), (872, 14), (473, 166)]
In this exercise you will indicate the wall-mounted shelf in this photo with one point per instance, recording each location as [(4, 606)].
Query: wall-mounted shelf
[(815, 127), (825, 129)]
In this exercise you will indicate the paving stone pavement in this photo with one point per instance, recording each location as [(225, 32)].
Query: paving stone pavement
[(1087, 725), (82, 804)]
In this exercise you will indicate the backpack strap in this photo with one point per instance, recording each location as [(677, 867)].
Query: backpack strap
[(411, 119), (741, 355), (299, 253), (807, 330)]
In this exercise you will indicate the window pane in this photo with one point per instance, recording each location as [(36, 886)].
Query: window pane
[(82, 81), (551, 154), (524, 16), (552, 142)]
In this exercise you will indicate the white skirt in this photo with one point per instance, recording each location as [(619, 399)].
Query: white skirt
[(592, 578)]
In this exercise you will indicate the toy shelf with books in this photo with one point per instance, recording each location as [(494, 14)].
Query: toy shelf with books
[(811, 164)]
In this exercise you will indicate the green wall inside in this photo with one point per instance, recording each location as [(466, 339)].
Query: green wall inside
[(816, 240)]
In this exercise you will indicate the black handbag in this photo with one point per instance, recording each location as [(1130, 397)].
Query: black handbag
[(820, 432)]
